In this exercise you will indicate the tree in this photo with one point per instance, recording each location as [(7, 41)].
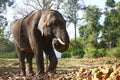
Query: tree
[(111, 24), (90, 31), (4, 4), (3, 23), (35, 5), (110, 3), (72, 8)]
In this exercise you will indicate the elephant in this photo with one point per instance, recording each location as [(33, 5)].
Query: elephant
[(38, 32)]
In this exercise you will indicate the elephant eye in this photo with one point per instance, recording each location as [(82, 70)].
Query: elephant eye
[(53, 24)]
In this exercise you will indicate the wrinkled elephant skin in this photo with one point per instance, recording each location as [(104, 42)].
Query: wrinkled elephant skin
[(41, 30)]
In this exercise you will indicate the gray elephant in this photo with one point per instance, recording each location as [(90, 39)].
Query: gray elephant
[(41, 30)]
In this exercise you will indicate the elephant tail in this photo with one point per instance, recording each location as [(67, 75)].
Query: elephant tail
[(21, 32)]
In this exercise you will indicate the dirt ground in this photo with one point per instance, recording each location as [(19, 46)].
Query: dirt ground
[(67, 69)]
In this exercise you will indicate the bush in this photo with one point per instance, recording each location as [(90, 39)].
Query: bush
[(6, 46), (78, 53), (9, 55), (72, 52), (102, 53), (89, 52), (66, 55), (95, 53), (115, 52)]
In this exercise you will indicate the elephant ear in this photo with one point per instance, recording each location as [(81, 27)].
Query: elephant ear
[(41, 25), (43, 22), (38, 21)]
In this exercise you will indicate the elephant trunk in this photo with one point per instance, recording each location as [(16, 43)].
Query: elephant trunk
[(61, 43)]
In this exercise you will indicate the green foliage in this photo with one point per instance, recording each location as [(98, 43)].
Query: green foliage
[(6, 46), (95, 53), (78, 53), (115, 52), (118, 40), (102, 44), (90, 53), (110, 3), (74, 52), (111, 27), (109, 32), (93, 13), (66, 54), (90, 31), (9, 55), (102, 52)]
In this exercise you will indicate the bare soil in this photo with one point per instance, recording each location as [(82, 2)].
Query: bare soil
[(67, 69)]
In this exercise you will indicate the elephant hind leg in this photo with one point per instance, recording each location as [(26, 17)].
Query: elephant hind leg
[(21, 56), (29, 68)]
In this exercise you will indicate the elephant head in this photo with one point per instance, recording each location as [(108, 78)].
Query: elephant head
[(52, 25)]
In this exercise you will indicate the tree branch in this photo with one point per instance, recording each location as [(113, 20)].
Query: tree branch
[(38, 2)]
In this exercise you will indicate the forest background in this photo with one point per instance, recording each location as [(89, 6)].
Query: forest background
[(96, 38)]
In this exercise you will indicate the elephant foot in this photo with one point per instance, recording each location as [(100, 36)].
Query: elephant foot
[(51, 76), (39, 76), (30, 74), (40, 72), (51, 70), (22, 74), (48, 76)]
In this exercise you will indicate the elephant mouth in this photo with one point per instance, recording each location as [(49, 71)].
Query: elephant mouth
[(59, 44), (60, 41)]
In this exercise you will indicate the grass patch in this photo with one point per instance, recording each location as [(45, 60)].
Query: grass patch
[(9, 55)]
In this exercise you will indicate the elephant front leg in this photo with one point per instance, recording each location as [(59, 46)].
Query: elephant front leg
[(39, 62), (52, 58)]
